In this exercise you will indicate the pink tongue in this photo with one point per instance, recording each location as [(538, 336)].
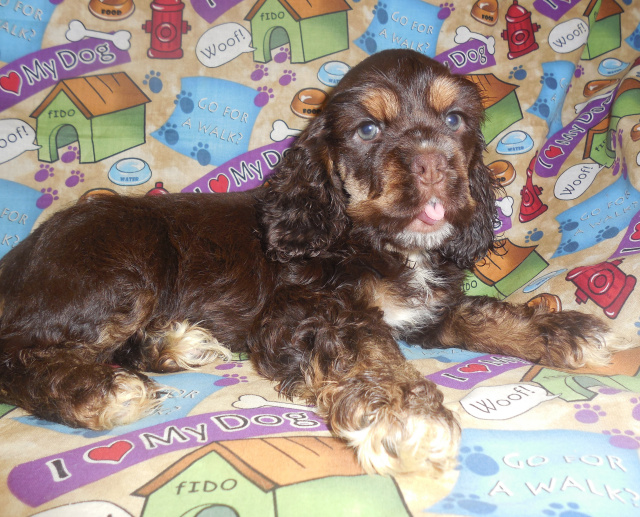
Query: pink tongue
[(432, 213), (435, 212)]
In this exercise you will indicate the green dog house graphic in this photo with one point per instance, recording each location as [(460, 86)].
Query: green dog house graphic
[(500, 102), (313, 28), (262, 477), (505, 270), (104, 114), (578, 386), (604, 28)]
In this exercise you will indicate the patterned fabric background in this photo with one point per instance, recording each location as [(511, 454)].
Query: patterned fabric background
[(141, 97)]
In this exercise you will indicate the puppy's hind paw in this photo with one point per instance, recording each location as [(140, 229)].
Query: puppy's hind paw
[(185, 347), (129, 397)]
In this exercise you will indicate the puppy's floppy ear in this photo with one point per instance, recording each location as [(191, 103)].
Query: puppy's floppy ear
[(475, 240), (302, 212)]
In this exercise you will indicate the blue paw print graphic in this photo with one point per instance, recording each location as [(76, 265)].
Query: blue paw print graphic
[(470, 503), (170, 133), (568, 226), (634, 39), (367, 40), (568, 247), (533, 235), (153, 81), (380, 12), (477, 461), (549, 81), (184, 102), (560, 510), (542, 107), (202, 154), (518, 73), (608, 233)]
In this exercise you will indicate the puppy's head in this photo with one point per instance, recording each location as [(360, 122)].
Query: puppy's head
[(398, 151)]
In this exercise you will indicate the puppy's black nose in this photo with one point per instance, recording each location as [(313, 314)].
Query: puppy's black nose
[(430, 167)]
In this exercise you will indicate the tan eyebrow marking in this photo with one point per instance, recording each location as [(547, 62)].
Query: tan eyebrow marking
[(382, 104), (442, 93)]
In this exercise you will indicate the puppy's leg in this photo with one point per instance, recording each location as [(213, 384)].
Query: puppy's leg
[(58, 385), (567, 339), (347, 363), (74, 383), (64, 372)]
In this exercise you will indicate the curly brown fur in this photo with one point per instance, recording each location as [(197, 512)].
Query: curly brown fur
[(360, 238)]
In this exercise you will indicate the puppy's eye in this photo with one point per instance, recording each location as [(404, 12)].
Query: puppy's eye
[(368, 131), (453, 121)]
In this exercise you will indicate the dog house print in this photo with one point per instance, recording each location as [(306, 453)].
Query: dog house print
[(604, 28), (500, 102), (104, 114), (312, 28), (276, 477)]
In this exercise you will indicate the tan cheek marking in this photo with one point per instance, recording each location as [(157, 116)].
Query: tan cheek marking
[(442, 93), (363, 206), (357, 191), (382, 104)]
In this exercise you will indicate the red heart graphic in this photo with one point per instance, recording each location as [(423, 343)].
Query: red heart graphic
[(113, 453), (553, 152), (636, 233), (219, 184), (473, 368), (11, 83)]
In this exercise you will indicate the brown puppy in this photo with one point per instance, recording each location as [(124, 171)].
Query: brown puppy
[(360, 238)]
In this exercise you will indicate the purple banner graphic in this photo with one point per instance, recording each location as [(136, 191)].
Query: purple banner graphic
[(43, 69), (466, 375), (560, 145), (468, 57), (554, 9), (244, 172), (42, 480), (630, 243), (211, 11)]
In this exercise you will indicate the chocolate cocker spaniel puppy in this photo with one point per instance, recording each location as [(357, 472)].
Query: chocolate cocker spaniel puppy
[(361, 237)]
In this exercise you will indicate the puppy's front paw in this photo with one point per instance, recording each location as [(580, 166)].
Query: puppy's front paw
[(398, 429), (406, 443), (574, 339)]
